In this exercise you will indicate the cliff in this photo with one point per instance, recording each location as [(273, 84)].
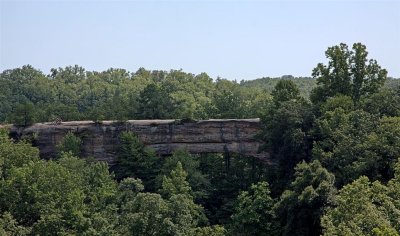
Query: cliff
[(100, 139)]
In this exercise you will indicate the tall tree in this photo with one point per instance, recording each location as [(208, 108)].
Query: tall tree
[(286, 126), (198, 181), (70, 143), (355, 143), (304, 202), (254, 213), (363, 208), (154, 103), (135, 160), (348, 72), (285, 90)]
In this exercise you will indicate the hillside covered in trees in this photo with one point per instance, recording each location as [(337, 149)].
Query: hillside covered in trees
[(334, 139)]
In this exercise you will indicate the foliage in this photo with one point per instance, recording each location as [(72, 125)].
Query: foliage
[(347, 139), (175, 214), (254, 213), (14, 154), (228, 175), (305, 84), (199, 182), (176, 184), (348, 72), (357, 143), (285, 132), (384, 103), (28, 95), (154, 103), (24, 114), (303, 203), (70, 197), (70, 143), (134, 160), (285, 90), (363, 208)]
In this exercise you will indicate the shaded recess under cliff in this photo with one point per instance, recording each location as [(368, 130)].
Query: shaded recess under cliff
[(100, 139)]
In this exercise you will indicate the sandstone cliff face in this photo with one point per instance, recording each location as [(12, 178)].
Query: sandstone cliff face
[(100, 140)]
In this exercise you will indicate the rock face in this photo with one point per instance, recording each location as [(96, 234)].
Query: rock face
[(100, 139)]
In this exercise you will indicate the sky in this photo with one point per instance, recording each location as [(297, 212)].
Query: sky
[(237, 40)]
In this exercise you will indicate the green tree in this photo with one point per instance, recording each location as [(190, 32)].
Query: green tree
[(286, 129), (69, 74), (14, 154), (146, 214), (254, 213), (44, 205), (176, 184), (154, 103), (70, 143), (135, 160), (363, 208), (348, 72), (229, 176), (24, 114), (355, 143), (285, 90), (9, 226), (384, 231), (128, 189), (198, 181), (185, 214), (175, 214), (228, 102), (384, 103), (215, 230), (64, 197), (304, 202)]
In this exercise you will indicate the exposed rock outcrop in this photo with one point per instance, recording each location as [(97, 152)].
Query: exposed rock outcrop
[(100, 139)]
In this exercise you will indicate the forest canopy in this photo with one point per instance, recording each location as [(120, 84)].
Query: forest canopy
[(334, 140)]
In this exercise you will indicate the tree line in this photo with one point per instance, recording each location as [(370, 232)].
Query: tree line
[(72, 93), (336, 155)]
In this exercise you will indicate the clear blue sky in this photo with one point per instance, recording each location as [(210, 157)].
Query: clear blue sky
[(231, 39)]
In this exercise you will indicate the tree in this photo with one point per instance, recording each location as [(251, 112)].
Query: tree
[(70, 143), (185, 214), (227, 178), (286, 129), (384, 103), (69, 196), (355, 143), (199, 182), (363, 208), (173, 214), (135, 160), (146, 214), (348, 72), (14, 155), (285, 90), (154, 103), (304, 202), (254, 213), (24, 114), (176, 183), (69, 74), (228, 102), (9, 226)]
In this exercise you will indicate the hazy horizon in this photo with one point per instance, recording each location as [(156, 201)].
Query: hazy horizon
[(236, 40)]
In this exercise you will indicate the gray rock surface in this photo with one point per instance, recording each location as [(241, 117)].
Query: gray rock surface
[(100, 139)]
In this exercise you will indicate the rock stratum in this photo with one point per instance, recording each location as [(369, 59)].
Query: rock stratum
[(101, 139)]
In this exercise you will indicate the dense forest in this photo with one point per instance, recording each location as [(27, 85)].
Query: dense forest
[(334, 141)]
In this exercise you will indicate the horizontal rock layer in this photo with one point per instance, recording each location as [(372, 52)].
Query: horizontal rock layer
[(100, 139)]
